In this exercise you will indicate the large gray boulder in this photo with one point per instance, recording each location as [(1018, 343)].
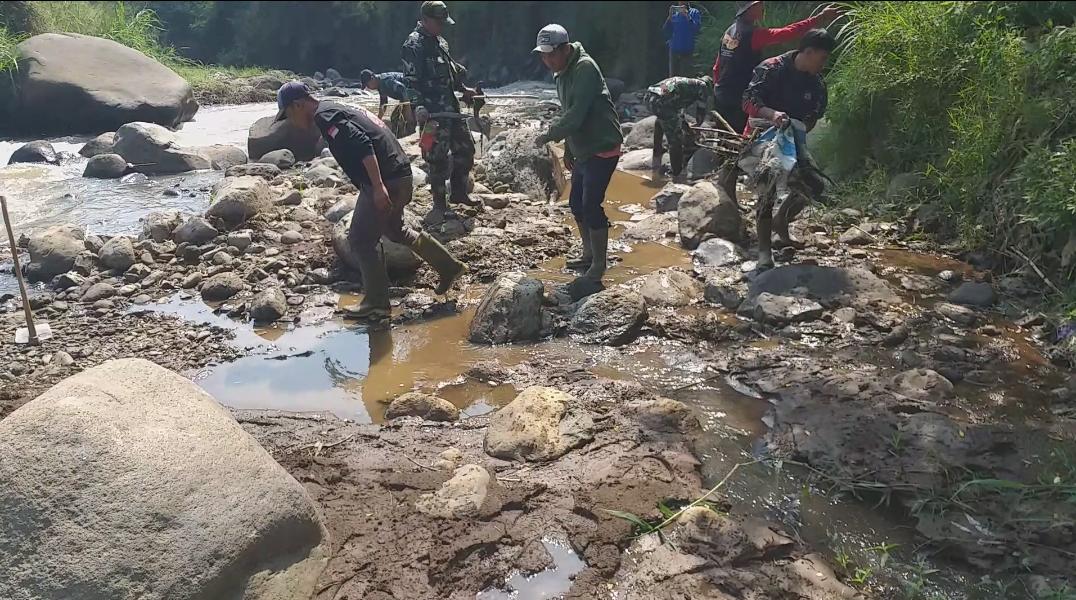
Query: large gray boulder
[(236, 199), (35, 152), (283, 158), (117, 254), (424, 406), (158, 226), (263, 170), (268, 306), (71, 83), (53, 251), (706, 211), (195, 230), (129, 481), (152, 149), (510, 311), (521, 166), (222, 286), (641, 135), (106, 166), (974, 293), (222, 156), (613, 317), (668, 199), (266, 135), (541, 424), (101, 144), (400, 261), (670, 288)]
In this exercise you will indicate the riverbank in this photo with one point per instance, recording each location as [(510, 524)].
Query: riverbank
[(874, 377)]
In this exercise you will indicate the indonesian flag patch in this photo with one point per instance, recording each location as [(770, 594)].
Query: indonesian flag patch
[(333, 130)]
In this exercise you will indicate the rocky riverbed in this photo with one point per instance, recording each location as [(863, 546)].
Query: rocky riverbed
[(867, 369)]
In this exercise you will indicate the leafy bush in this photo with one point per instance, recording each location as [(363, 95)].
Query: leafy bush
[(977, 98)]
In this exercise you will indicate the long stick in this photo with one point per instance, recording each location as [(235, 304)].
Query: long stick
[(18, 274)]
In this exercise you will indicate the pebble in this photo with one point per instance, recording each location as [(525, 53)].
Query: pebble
[(291, 237), (222, 258)]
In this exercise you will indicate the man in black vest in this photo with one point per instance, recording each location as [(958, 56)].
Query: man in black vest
[(376, 163), (741, 51)]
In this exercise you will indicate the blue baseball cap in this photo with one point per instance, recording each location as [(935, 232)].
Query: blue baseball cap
[(288, 93)]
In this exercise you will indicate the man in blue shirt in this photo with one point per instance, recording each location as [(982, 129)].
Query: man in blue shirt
[(391, 85), (681, 27)]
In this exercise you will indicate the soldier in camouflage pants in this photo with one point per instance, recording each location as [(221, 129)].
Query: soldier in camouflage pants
[(667, 100), (432, 79)]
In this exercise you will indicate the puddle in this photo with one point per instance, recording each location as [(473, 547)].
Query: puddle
[(553, 582), (922, 264)]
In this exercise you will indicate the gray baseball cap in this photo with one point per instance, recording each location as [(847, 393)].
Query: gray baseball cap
[(550, 37)]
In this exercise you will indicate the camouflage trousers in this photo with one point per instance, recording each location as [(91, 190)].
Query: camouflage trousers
[(452, 153), (669, 121)]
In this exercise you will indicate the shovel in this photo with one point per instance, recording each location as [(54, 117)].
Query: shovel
[(29, 334)]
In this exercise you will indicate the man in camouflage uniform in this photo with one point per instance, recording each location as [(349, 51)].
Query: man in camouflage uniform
[(432, 79), (667, 100)]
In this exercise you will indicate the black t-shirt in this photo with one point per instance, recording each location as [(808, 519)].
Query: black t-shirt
[(352, 134), (777, 84)]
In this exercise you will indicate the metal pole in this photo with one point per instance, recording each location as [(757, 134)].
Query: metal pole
[(18, 275)]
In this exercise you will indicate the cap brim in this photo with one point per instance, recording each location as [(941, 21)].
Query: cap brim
[(544, 49)]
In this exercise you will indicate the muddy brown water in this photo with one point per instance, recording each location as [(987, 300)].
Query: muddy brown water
[(326, 365)]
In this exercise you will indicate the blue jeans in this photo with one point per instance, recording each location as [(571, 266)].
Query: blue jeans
[(590, 180)]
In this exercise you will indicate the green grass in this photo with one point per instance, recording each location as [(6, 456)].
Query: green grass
[(138, 29)]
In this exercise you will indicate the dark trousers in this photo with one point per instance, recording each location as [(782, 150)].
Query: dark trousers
[(590, 180), (679, 64), (732, 112), (368, 223)]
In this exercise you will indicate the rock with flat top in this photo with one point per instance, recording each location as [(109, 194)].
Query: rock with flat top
[(54, 251), (510, 311), (424, 406), (236, 199), (460, 497), (670, 288), (612, 317), (706, 211)]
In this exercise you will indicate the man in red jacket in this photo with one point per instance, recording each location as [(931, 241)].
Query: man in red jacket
[(741, 52)]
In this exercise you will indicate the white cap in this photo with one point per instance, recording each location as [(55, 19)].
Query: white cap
[(550, 37)]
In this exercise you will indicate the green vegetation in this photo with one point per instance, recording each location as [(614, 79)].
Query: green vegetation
[(975, 100), (138, 28)]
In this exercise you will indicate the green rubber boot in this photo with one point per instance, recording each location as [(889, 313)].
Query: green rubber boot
[(437, 256)]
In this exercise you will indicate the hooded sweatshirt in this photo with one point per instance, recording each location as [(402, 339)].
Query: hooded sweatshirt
[(588, 119)]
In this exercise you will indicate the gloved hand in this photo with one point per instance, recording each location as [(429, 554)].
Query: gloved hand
[(421, 115)]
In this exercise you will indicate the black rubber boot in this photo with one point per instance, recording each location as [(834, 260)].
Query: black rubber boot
[(783, 216), (375, 282), (587, 257), (459, 193), (765, 254)]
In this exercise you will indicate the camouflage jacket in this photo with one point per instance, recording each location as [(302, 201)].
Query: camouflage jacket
[(430, 73), (678, 93)]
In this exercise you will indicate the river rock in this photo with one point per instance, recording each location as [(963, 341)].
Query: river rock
[(782, 310), (268, 306), (159, 226), (828, 285), (540, 425), (98, 291), (612, 317), (460, 497), (706, 211), (974, 293), (660, 228), (117, 254), (715, 253), (703, 163), (118, 505), (236, 199), (196, 231), (341, 209), (291, 237), (668, 199), (71, 83), (263, 170), (222, 286), (856, 236), (282, 159), (222, 156), (267, 134), (510, 311), (65, 281), (323, 175), (639, 160), (101, 144), (424, 406), (923, 384), (521, 166), (152, 149), (241, 239), (35, 152), (641, 134), (670, 288), (53, 251), (106, 166), (399, 259), (956, 313)]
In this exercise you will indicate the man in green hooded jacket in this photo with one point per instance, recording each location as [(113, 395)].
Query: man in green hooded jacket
[(589, 123)]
